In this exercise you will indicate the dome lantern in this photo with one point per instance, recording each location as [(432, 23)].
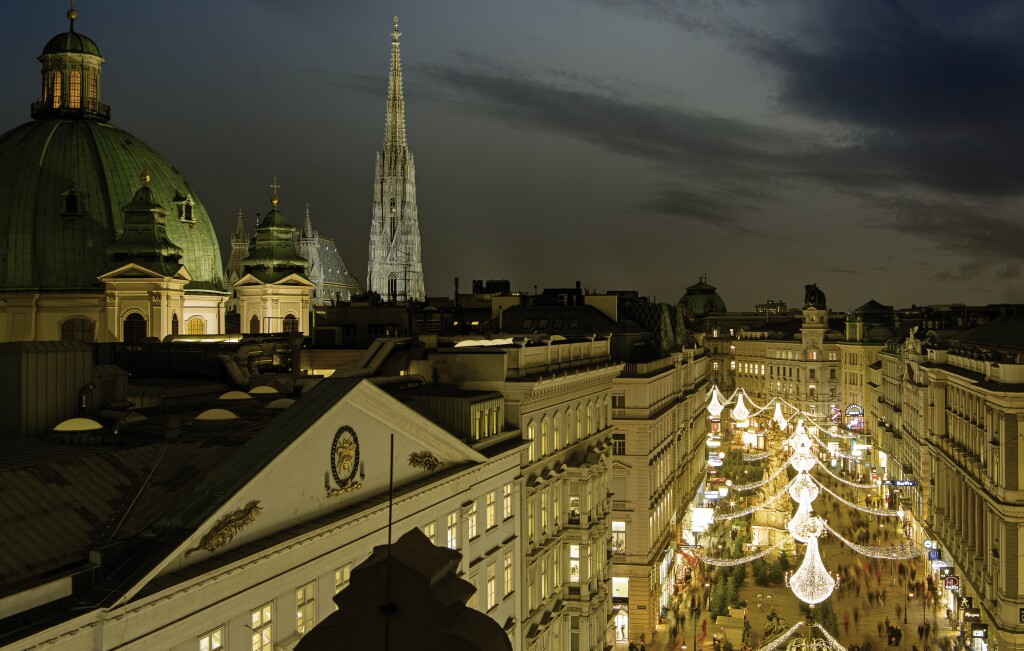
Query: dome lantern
[(71, 77)]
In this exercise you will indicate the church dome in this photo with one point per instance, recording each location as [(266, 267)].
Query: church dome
[(63, 183), (72, 42), (66, 175), (702, 299)]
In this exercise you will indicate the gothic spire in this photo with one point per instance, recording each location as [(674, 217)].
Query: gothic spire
[(394, 134), (239, 233), (307, 230)]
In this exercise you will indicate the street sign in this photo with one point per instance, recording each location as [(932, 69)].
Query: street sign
[(953, 582), (928, 544)]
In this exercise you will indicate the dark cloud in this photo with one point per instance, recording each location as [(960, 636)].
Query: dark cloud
[(696, 205), (955, 227)]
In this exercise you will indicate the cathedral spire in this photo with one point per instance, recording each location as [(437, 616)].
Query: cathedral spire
[(394, 134), (308, 227), (239, 233)]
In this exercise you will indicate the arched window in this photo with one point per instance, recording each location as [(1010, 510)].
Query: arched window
[(590, 418), (579, 422), (558, 431), (531, 434), (291, 324), (174, 323), (195, 325), (545, 432), (75, 89), (56, 89), (254, 325), (78, 329), (93, 88), (134, 328)]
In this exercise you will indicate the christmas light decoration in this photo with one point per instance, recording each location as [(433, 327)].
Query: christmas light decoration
[(846, 481), (803, 489), (715, 407), (750, 509), (779, 419), (777, 641), (812, 583), (729, 562), (757, 456), (866, 509), (902, 551), (832, 642), (758, 484), (802, 461), (740, 413)]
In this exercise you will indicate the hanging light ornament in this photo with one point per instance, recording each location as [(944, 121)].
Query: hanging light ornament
[(740, 413), (803, 489), (715, 407), (802, 461), (805, 526), (812, 583), (779, 419)]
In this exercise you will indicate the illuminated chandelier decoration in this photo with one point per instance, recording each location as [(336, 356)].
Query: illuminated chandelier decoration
[(740, 413), (779, 419), (715, 407), (812, 583)]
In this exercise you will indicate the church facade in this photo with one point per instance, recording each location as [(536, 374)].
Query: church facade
[(395, 270)]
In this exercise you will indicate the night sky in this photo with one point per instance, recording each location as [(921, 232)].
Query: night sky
[(874, 148)]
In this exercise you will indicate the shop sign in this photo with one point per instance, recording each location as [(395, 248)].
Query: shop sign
[(935, 554), (979, 630), (953, 582), (972, 615), (928, 544), (904, 482), (966, 602)]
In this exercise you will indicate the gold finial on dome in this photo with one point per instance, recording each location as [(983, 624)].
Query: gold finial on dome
[(395, 34), (275, 187), (72, 15), (146, 177)]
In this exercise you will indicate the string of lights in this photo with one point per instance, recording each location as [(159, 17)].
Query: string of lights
[(729, 562), (832, 642), (758, 484), (846, 481), (903, 551), (757, 456), (866, 509), (777, 641), (750, 509)]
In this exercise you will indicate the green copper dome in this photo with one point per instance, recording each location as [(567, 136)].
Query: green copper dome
[(71, 42), (701, 299), (63, 184)]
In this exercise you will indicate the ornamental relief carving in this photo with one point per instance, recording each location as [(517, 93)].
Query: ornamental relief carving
[(111, 299), (424, 459), (347, 470), (224, 530)]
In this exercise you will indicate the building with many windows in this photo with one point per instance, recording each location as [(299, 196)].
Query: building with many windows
[(559, 394), (950, 404), (657, 465)]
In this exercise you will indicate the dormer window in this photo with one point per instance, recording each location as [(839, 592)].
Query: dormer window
[(186, 208), (71, 205)]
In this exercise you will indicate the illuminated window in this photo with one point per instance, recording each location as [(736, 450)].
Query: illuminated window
[(78, 329), (305, 607), (213, 640), (453, 530), (195, 325), (590, 418), (262, 627), (291, 324), (491, 515), (732, 365), (506, 501), (471, 520), (557, 432), (56, 89), (508, 574), (530, 528), (75, 89), (430, 531), (574, 563), (543, 577), (556, 579), (531, 434), (579, 422), (544, 437), (342, 576), (618, 537), (491, 594), (92, 91)]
